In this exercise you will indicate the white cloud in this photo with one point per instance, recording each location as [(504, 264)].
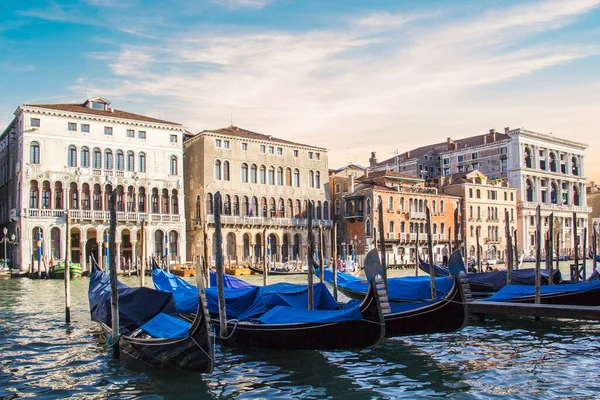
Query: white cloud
[(349, 91)]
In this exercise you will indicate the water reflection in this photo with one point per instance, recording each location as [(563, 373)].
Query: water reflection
[(40, 356)]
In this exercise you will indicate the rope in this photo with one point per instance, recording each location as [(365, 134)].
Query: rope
[(108, 339), (236, 322)]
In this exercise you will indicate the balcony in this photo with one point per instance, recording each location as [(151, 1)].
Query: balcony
[(90, 215), (442, 237), (416, 215), (554, 207), (266, 221), (391, 235)]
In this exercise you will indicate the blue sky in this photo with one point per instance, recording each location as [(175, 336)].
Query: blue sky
[(353, 76)]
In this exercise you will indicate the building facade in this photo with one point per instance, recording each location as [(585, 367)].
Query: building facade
[(67, 158), (405, 200), (484, 204), (265, 185)]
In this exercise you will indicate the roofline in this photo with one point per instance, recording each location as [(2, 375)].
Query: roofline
[(300, 145), (550, 138), (45, 110)]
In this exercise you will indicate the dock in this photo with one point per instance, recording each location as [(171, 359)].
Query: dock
[(483, 308)]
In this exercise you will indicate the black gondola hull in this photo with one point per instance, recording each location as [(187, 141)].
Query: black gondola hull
[(447, 315), (582, 298), (260, 271)]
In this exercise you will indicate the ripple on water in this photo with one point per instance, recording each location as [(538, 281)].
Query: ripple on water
[(499, 358)]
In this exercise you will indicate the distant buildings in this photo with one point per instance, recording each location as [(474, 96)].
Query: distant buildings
[(485, 203), (265, 184), (404, 200), (58, 158), (544, 169)]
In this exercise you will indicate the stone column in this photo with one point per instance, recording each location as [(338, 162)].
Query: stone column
[(82, 255), (100, 254)]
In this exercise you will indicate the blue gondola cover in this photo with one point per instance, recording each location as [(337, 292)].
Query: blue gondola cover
[(167, 327), (288, 315), (511, 292)]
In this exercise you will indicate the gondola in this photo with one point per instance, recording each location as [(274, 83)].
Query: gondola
[(150, 329), (282, 321), (412, 311), (485, 283), (574, 294), (277, 272)]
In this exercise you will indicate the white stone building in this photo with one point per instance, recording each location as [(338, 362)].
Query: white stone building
[(56, 158)]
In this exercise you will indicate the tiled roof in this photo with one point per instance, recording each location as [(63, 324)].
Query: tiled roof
[(477, 141), (243, 133), (82, 109), (391, 174)]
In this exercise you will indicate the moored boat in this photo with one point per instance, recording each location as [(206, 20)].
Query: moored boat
[(150, 329), (57, 271), (280, 271), (277, 316), (575, 294)]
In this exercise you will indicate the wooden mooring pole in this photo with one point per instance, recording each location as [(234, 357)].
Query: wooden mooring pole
[(417, 251), (114, 291), (509, 255), (550, 254), (142, 267), (516, 249), (583, 256), (430, 251), (334, 264), (265, 259), (322, 255), (594, 246), (538, 250), (382, 241), (311, 255), (67, 270), (477, 233), (219, 265), (575, 248)]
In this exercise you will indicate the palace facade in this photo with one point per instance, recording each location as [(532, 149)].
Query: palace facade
[(265, 185), (67, 158)]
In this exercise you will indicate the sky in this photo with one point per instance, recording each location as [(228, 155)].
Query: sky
[(354, 76)]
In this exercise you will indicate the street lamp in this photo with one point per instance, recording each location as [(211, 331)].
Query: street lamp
[(5, 240)]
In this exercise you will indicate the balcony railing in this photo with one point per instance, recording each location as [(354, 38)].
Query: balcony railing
[(555, 207), (102, 215), (416, 215), (391, 235), (282, 222)]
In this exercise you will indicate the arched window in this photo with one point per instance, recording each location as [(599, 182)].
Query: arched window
[(58, 195), (271, 175), (553, 193), (85, 196), (280, 209), (297, 178), (130, 161), (288, 177), (298, 210), (272, 208), (218, 170), (227, 205), (226, 170), (290, 208), (174, 202), (262, 178), (236, 206), (55, 243), (433, 207), (528, 161), (85, 157), (120, 160), (553, 162), (263, 207), (34, 195), (165, 201), (97, 158), (574, 167), (368, 206), (108, 159), (245, 206), (311, 179), (280, 176), (142, 199), (46, 194), (338, 209), (326, 210), (575, 196), (173, 165), (142, 162), (391, 203), (209, 203), (529, 190), (401, 204), (72, 156), (34, 153), (367, 227), (254, 211), (96, 198), (442, 206), (253, 172), (318, 180), (154, 201), (319, 210), (244, 173)]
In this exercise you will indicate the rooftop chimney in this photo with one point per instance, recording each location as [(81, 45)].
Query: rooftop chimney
[(506, 130), (407, 155), (493, 134), (450, 142), (373, 159)]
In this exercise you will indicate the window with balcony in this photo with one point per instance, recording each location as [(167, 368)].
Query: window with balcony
[(85, 157), (528, 158), (130, 161), (96, 158), (142, 162), (108, 159), (120, 160)]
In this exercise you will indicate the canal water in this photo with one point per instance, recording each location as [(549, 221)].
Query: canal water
[(499, 358)]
